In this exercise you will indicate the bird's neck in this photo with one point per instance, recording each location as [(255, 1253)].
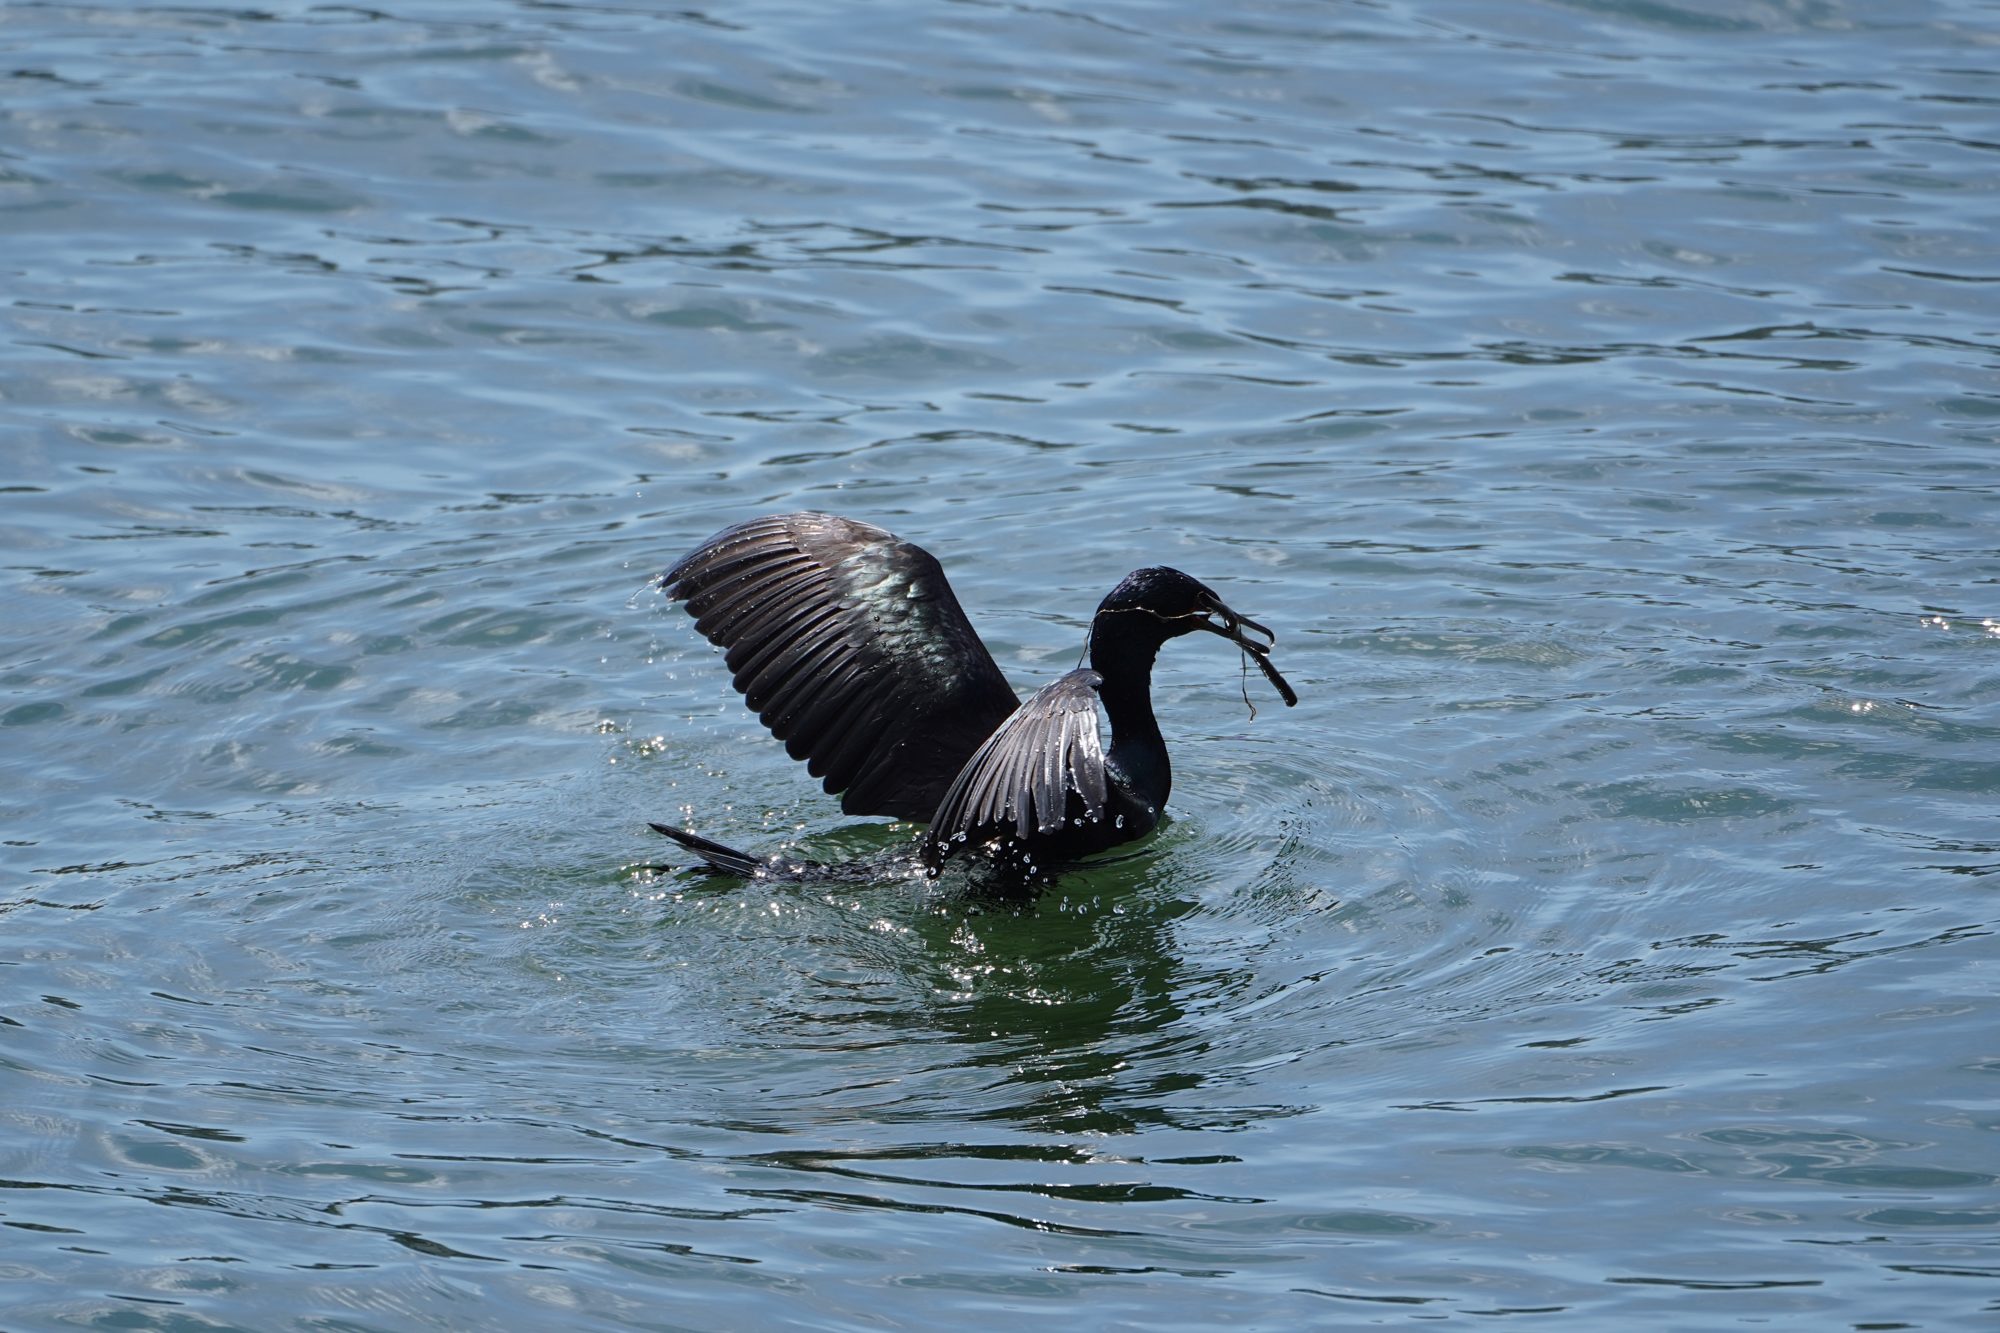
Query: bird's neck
[(1138, 751)]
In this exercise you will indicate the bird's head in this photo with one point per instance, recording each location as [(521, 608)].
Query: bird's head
[(1156, 604)]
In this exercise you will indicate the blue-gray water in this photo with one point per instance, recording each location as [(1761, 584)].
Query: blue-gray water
[(1599, 399)]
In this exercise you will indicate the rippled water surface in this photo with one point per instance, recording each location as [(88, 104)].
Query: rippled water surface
[(1598, 398)]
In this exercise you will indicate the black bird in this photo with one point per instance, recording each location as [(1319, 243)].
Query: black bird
[(848, 643)]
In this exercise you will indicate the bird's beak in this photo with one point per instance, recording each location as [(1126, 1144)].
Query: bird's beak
[(1238, 629)]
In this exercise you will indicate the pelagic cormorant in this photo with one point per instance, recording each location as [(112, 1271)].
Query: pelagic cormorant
[(849, 645)]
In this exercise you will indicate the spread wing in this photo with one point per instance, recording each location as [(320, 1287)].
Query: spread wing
[(1043, 769), (849, 645)]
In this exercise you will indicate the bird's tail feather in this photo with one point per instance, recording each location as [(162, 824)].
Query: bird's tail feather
[(714, 855)]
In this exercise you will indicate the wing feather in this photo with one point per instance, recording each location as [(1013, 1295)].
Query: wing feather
[(757, 665), (1041, 770), (851, 647)]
